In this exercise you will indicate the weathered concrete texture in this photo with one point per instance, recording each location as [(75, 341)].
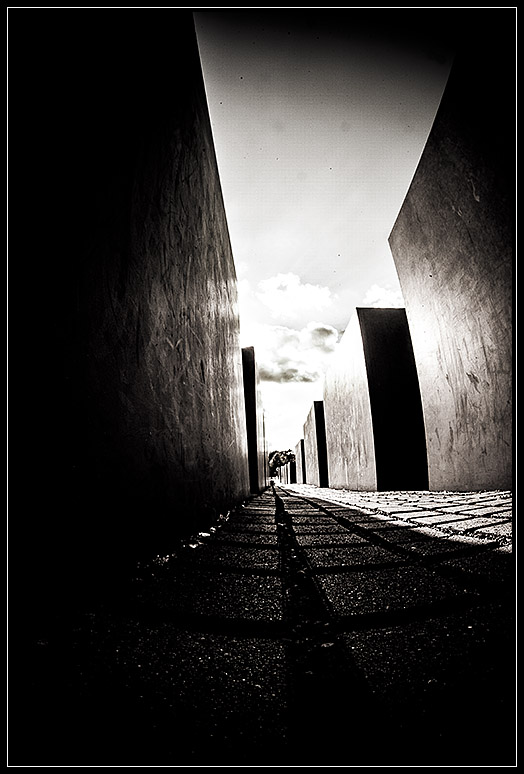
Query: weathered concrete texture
[(256, 441), (349, 427), (288, 473), (396, 411), (140, 430), (300, 458), (452, 246), (374, 426), (315, 454)]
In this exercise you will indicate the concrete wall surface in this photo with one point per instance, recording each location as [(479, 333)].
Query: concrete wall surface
[(315, 446), (396, 410), (374, 425), (256, 441), (137, 429), (300, 459), (349, 426), (452, 246)]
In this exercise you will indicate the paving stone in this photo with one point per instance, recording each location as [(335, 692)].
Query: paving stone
[(504, 530), (409, 662), (229, 595), (246, 558), (249, 518), (328, 529), (222, 689), (311, 521), (373, 591), (417, 513), (249, 537), (475, 522), (250, 526), (406, 533), (438, 518), (492, 566), (442, 545), (329, 539), (473, 509), (347, 557)]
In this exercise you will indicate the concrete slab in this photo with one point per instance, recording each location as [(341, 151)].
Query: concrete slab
[(503, 531), (196, 591), (330, 539), (307, 529), (379, 591), (311, 521), (241, 525), (476, 522), (437, 518), (266, 523), (350, 556), (408, 662), (249, 537), (492, 566), (215, 691), (245, 557), (442, 545)]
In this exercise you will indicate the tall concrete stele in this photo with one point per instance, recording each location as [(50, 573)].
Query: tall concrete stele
[(140, 431), (374, 426), (256, 440), (452, 246), (315, 455), (300, 458)]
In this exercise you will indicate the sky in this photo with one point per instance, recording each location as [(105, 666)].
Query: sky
[(319, 119)]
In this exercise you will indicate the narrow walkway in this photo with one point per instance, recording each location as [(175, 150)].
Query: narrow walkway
[(299, 632)]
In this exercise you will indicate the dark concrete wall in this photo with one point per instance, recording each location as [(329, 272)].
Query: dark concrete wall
[(315, 454), (131, 396), (300, 459), (256, 441), (396, 410), (452, 246), (374, 423), (288, 473)]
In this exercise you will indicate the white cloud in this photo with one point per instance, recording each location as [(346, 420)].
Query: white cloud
[(383, 297), (286, 355), (287, 298)]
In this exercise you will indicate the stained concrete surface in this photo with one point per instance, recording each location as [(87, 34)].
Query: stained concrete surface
[(130, 405), (452, 244), (315, 452), (251, 646), (300, 458), (349, 425), (374, 424), (256, 436)]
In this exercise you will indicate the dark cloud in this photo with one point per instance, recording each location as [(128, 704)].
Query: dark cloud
[(285, 374), (324, 337)]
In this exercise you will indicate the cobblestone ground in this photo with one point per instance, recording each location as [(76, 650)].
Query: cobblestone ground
[(482, 515), (309, 627)]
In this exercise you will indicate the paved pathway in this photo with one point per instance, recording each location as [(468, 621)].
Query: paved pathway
[(308, 628), (483, 515)]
